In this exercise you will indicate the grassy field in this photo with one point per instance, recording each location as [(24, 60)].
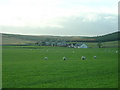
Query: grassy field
[(104, 44), (25, 67)]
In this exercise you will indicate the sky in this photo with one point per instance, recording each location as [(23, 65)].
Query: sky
[(59, 17)]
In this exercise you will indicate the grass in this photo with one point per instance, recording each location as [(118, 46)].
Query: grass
[(26, 67), (111, 44), (104, 44)]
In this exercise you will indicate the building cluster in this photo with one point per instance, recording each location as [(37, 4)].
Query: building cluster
[(63, 44)]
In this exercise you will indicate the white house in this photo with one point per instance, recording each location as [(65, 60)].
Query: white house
[(83, 46), (59, 44)]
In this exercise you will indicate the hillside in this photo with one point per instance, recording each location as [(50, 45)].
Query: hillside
[(13, 40), (109, 37), (30, 39), (25, 39)]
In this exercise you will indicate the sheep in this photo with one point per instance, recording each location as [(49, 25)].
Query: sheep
[(95, 57), (64, 58), (116, 51), (45, 58), (83, 58)]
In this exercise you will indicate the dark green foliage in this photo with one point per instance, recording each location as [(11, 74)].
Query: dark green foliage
[(100, 44), (109, 37)]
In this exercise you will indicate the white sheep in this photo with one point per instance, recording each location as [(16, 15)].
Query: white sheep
[(83, 58), (64, 58), (95, 57), (116, 51), (45, 58)]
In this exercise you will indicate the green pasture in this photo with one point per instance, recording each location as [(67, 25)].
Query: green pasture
[(104, 44), (25, 67)]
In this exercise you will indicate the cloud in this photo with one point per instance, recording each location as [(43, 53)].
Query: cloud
[(91, 18), (110, 17), (58, 16), (70, 26)]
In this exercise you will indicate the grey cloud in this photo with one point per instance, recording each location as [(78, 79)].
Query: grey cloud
[(72, 26)]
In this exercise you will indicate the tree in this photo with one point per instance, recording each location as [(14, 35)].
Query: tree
[(37, 43), (100, 44)]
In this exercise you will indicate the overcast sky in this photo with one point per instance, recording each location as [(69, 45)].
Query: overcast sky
[(58, 17)]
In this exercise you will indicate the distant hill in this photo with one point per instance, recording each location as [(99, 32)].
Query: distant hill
[(11, 39), (30, 39), (27, 39), (108, 37)]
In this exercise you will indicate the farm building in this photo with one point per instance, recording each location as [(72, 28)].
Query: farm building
[(47, 43), (59, 43), (62, 43), (83, 46), (78, 45), (53, 43)]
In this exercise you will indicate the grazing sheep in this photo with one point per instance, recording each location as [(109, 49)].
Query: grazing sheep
[(64, 58), (45, 58), (83, 58), (95, 57), (116, 51)]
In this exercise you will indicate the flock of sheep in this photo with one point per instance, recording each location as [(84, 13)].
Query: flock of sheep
[(82, 58), (65, 58)]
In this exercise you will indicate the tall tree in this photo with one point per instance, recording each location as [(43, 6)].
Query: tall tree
[(100, 44)]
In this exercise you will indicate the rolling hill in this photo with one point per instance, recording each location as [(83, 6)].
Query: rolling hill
[(108, 37), (14, 39)]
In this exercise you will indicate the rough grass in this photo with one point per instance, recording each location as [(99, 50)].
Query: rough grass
[(104, 44), (26, 68), (12, 40)]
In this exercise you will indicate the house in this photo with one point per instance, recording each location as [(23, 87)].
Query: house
[(47, 43), (53, 44), (59, 44), (70, 45), (63, 43), (83, 46)]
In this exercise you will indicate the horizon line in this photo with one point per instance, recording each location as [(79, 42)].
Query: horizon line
[(56, 35)]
